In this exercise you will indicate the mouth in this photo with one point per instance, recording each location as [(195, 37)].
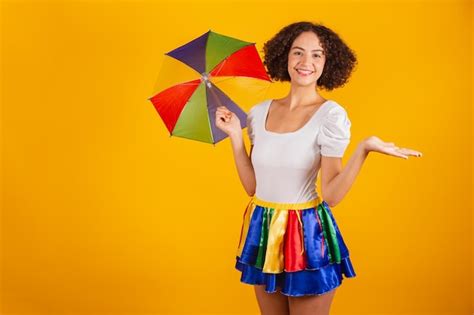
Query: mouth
[(304, 72)]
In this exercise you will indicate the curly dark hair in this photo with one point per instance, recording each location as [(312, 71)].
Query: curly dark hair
[(340, 59)]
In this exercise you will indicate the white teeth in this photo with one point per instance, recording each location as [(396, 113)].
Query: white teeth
[(304, 71)]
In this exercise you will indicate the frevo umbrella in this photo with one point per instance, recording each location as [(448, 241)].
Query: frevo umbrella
[(207, 72)]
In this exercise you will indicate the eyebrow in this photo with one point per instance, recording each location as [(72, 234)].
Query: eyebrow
[(303, 49)]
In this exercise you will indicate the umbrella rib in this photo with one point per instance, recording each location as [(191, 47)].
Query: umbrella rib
[(222, 64), (226, 79)]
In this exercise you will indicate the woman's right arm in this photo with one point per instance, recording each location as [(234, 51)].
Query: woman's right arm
[(228, 122), (243, 162)]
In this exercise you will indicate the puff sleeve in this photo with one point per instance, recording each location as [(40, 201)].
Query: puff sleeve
[(251, 125), (335, 132)]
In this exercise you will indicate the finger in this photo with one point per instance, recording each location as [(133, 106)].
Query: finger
[(400, 155), (225, 112), (411, 152), (222, 120), (221, 117), (415, 153), (396, 153)]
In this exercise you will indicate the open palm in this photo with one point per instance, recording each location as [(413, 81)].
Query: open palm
[(375, 144)]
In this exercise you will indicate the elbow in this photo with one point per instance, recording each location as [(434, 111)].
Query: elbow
[(331, 202), (251, 193), (330, 199), (251, 187)]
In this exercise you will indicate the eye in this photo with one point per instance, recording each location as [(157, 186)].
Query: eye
[(317, 55), (297, 52)]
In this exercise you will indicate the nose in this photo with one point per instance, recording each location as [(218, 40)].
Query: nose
[(306, 61)]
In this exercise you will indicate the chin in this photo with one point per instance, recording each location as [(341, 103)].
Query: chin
[(304, 82)]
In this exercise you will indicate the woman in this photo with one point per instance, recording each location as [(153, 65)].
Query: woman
[(290, 242)]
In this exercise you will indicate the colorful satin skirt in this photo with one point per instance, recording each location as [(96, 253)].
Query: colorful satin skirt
[(294, 247)]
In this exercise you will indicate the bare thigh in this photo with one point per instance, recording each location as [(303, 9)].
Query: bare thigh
[(271, 303), (311, 304)]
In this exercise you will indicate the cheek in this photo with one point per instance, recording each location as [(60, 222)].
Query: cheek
[(319, 65), (291, 61)]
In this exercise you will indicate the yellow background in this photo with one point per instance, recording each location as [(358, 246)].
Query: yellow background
[(104, 213)]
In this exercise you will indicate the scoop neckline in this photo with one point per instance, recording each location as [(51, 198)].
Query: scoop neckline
[(267, 109)]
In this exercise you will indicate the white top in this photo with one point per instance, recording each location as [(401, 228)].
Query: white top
[(286, 164)]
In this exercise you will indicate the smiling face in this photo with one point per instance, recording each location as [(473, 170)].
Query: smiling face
[(306, 59)]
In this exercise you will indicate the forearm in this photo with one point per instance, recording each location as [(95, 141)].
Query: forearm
[(339, 186), (243, 163)]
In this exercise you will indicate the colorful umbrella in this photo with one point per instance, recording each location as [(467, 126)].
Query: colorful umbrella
[(229, 71)]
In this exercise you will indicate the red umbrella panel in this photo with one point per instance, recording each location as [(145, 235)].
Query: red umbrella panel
[(207, 72)]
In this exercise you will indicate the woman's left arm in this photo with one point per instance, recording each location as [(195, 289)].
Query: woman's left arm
[(336, 180)]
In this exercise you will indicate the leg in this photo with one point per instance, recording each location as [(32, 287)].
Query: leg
[(271, 303), (311, 304)]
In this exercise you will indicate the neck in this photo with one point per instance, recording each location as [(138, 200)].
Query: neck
[(300, 96)]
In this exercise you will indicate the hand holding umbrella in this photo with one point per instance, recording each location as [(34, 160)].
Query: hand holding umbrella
[(227, 121)]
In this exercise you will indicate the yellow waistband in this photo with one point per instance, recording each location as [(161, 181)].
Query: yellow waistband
[(288, 206)]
